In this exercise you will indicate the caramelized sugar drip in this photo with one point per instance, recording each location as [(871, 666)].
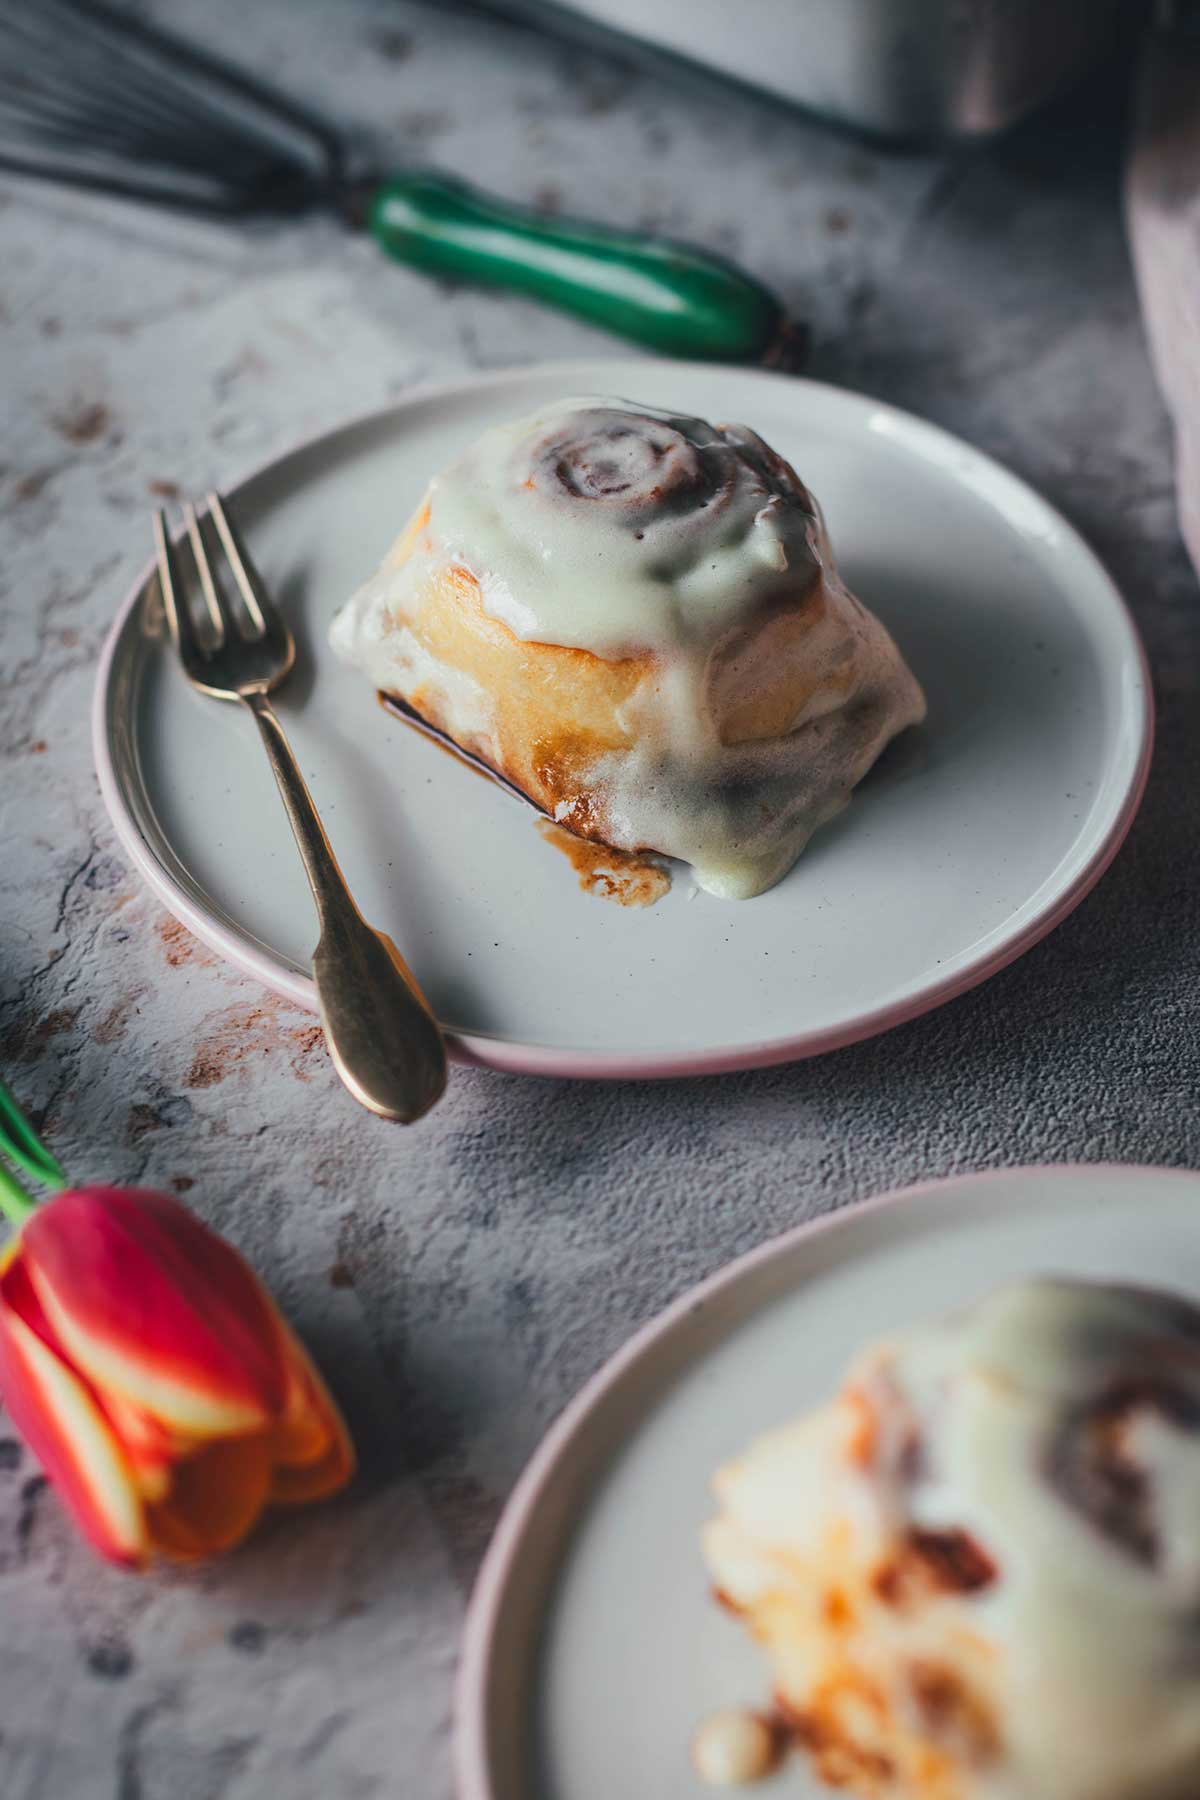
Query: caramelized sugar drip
[(620, 875)]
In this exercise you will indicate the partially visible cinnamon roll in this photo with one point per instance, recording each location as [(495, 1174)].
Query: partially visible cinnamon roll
[(977, 1571), (637, 620)]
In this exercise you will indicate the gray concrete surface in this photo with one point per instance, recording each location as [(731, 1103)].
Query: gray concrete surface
[(459, 1280)]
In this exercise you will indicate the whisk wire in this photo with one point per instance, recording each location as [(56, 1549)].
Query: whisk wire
[(123, 107)]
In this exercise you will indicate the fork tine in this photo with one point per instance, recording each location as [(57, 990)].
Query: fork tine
[(249, 581), (208, 586), (183, 632)]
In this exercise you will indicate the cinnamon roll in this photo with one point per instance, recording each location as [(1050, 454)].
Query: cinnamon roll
[(637, 620), (976, 1572)]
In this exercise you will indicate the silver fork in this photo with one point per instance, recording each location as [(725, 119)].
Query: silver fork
[(385, 1042)]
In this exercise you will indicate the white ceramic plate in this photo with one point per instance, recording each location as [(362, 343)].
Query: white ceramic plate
[(972, 838), (593, 1648)]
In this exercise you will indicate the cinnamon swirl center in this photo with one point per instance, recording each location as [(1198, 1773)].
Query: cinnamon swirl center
[(637, 468)]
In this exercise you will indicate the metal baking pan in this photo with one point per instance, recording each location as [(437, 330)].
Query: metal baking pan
[(909, 70)]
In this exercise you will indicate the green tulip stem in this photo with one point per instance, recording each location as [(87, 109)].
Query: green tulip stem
[(15, 1204), (21, 1144)]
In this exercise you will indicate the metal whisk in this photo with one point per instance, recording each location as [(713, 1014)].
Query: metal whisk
[(98, 98)]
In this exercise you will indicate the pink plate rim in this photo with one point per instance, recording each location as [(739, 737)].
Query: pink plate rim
[(470, 1746), (548, 1060)]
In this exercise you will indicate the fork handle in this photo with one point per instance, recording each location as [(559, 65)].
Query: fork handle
[(385, 1042)]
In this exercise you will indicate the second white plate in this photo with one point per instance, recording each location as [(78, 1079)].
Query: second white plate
[(972, 838), (593, 1647)]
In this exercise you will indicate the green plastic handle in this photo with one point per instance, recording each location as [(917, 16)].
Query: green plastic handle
[(666, 295)]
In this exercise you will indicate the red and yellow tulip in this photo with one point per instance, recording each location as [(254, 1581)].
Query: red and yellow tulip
[(150, 1372)]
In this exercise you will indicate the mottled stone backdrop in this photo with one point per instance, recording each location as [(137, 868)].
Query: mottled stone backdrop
[(460, 1279)]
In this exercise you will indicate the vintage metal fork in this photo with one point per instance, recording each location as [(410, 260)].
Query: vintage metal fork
[(385, 1042)]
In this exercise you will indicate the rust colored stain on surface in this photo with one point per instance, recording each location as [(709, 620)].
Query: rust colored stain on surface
[(620, 875), (84, 423), (179, 946), (31, 485), (111, 1028), (25, 1040), (244, 1034), (143, 1118), (306, 1038)]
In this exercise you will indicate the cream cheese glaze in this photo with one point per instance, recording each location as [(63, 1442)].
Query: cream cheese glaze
[(617, 529), (689, 552), (1008, 1505)]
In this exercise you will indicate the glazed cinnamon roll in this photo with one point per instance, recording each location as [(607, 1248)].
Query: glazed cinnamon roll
[(637, 620), (977, 1571)]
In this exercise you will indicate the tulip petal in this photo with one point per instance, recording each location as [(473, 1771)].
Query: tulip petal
[(215, 1499), (314, 1456), (292, 1485), (308, 1425), (301, 1440), (149, 1449), (150, 1304), (65, 1428)]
